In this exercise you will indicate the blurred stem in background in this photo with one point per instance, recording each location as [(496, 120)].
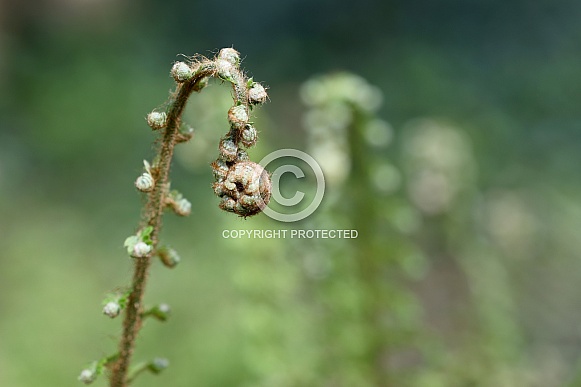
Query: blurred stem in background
[(372, 344), (371, 264)]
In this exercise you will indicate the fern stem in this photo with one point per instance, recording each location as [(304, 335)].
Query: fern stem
[(152, 217)]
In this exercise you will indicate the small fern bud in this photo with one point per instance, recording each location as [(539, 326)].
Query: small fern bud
[(112, 309), (249, 136), (169, 257), (164, 308), (115, 303), (184, 137), (87, 376), (228, 149), (257, 94), (225, 70), (181, 72), (160, 312), (219, 189), (145, 182), (141, 250), (156, 120), (238, 116), (158, 364), (139, 246), (228, 204), (230, 55), (180, 205), (183, 207), (220, 170)]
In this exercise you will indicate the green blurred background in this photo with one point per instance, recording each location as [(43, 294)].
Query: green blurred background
[(466, 269)]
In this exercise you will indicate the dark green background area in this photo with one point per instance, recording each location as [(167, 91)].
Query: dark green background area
[(77, 79)]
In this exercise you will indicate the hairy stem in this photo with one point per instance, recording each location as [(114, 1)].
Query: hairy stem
[(152, 217)]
